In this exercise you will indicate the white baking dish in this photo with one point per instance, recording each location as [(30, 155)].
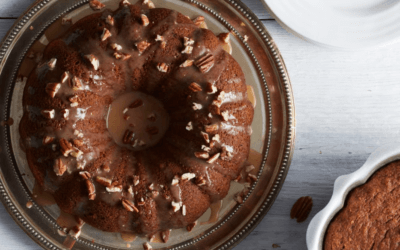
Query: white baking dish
[(343, 185)]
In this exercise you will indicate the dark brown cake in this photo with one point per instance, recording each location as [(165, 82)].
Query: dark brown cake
[(370, 218), (135, 183)]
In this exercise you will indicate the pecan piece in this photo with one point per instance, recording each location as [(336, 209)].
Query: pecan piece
[(165, 235), (197, 106), (189, 126), (76, 83), (188, 50), (188, 41), (213, 158), (149, 4), (105, 35), (52, 89), (122, 56), (188, 176), (225, 115), (48, 113), (94, 61), (200, 22), (64, 77), (91, 189), (85, 175), (202, 155), (195, 87), (147, 246), (116, 46), (128, 137), (110, 20), (66, 147), (159, 38), (103, 181), (59, 167), (47, 140), (129, 206), (205, 62), (52, 63), (114, 189), (186, 63), (78, 143), (205, 136), (175, 206), (211, 128), (211, 89), (145, 20), (76, 153), (200, 181), (142, 46), (301, 208), (162, 67), (96, 5), (137, 103)]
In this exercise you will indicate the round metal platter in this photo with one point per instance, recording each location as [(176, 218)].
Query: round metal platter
[(272, 140)]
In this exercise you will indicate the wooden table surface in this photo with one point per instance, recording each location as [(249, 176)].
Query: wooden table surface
[(347, 105)]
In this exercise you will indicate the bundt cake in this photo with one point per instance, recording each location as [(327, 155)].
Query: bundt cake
[(136, 120)]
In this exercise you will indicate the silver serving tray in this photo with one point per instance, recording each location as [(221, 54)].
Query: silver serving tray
[(272, 140)]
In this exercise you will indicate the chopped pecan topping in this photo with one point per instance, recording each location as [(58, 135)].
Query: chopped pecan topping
[(211, 128), (85, 175), (163, 44), (151, 186), (141, 202), (165, 235), (202, 155), (210, 115), (96, 5), (47, 140), (126, 117), (152, 130), (125, 2), (135, 104), (184, 210), (200, 22), (78, 143), (122, 56), (188, 41), (48, 113), (224, 37), (205, 148), (200, 181), (301, 208), (225, 115), (103, 181), (252, 177), (136, 180), (129, 206), (94, 61), (106, 167), (76, 83), (91, 189), (189, 126), (52, 89), (162, 67), (147, 246), (110, 20), (116, 46), (191, 226), (159, 38), (205, 62), (59, 167), (128, 137), (195, 87), (175, 181), (154, 194), (75, 232), (211, 89), (187, 50), (216, 138), (64, 77), (188, 176), (175, 206), (76, 153), (52, 63), (205, 136), (74, 99), (186, 63), (114, 189), (197, 106), (105, 35), (145, 20), (66, 147), (213, 158), (142, 46), (149, 4)]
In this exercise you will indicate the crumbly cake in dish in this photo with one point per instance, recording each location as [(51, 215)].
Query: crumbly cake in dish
[(136, 120), (370, 218)]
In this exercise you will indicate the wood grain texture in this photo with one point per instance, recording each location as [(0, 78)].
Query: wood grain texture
[(346, 106)]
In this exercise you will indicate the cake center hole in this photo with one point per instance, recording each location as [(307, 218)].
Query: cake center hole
[(137, 121)]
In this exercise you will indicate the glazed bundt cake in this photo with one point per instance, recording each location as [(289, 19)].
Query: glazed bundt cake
[(136, 120)]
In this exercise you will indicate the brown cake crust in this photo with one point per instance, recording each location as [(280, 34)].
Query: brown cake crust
[(370, 218), (151, 179)]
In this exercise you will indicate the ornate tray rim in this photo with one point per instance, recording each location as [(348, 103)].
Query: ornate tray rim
[(9, 201)]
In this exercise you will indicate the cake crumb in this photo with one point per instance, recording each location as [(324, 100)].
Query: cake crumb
[(276, 246)]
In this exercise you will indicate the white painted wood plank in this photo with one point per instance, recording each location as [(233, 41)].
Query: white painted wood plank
[(14, 8)]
